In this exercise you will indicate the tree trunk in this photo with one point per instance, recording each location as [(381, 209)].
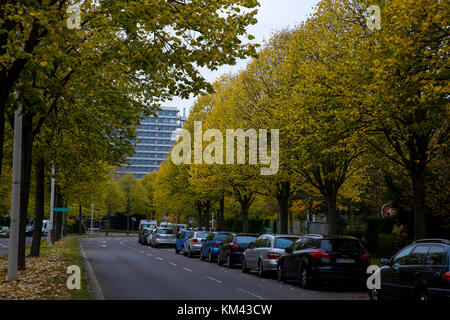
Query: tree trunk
[(80, 219), (245, 205), (283, 205), (2, 137), (39, 207), (332, 217), (27, 148), (220, 218), (207, 215), (420, 227), (108, 222)]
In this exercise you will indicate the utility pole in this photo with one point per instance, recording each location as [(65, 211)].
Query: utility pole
[(52, 202), (15, 196), (92, 216)]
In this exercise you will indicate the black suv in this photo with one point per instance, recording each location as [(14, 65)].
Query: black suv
[(316, 258), (419, 271)]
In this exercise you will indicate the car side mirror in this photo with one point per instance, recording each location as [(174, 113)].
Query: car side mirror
[(385, 261), (288, 250)]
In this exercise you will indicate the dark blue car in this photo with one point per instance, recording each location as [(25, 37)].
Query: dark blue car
[(181, 238), (211, 245)]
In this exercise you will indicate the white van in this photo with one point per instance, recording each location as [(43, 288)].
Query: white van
[(144, 227)]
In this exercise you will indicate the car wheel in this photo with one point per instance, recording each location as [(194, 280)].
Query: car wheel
[(305, 278), (261, 272), (244, 266), (229, 263), (176, 250), (219, 262), (202, 257), (210, 258), (422, 296), (280, 274), (189, 253)]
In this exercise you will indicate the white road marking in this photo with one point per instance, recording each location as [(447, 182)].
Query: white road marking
[(252, 294), (174, 264), (218, 281), (187, 269), (160, 259), (142, 252), (103, 246), (148, 254)]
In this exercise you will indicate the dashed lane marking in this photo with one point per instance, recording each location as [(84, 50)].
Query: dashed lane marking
[(218, 281), (252, 294)]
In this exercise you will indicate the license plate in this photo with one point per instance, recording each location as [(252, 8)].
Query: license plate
[(345, 260)]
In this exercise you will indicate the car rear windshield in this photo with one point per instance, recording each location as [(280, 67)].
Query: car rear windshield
[(283, 243), (244, 239), (166, 231), (202, 235), (333, 245), (221, 236)]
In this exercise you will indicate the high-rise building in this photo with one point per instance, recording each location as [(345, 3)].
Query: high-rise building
[(154, 142)]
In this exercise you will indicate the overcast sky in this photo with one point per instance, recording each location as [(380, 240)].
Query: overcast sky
[(272, 15)]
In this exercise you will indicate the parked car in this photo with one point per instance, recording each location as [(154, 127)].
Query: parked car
[(230, 252), (316, 258), (163, 236), (193, 243), (29, 230), (210, 245), (263, 254), (181, 239), (420, 271), (4, 232), (144, 227)]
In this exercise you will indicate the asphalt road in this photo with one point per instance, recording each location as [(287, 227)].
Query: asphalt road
[(127, 270), (4, 245)]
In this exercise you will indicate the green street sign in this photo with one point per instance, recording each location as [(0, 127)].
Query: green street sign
[(61, 209)]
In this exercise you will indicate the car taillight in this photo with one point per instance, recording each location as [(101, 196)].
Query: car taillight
[(365, 256), (274, 255), (215, 244), (446, 276), (234, 246), (319, 254), (194, 240)]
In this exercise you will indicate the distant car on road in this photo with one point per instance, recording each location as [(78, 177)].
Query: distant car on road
[(316, 258), (181, 239), (4, 232), (29, 230), (210, 245), (420, 271), (163, 236), (193, 243), (263, 254), (230, 252)]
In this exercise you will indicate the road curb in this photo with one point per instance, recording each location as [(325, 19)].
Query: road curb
[(93, 285)]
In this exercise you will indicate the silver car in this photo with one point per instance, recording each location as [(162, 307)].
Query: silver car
[(193, 243), (264, 253), (163, 236)]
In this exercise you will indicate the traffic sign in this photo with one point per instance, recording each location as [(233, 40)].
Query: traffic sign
[(61, 209)]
